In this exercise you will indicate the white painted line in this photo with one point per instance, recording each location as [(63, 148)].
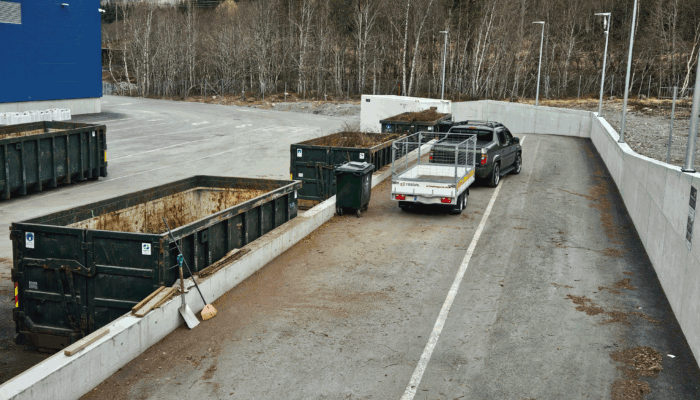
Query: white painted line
[(159, 149), (164, 134), (445, 310), (140, 127), (200, 123), (106, 120)]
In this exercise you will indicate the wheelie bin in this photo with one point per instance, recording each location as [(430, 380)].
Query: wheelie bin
[(354, 186)]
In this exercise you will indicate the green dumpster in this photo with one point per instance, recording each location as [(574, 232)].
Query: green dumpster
[(354, 186)]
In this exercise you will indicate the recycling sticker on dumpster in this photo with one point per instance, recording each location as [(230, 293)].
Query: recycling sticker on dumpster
[(29, 240), (146, 249), (298, 152), (362, 156)]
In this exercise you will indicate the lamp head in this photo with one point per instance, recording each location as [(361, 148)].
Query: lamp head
[(606, 16)]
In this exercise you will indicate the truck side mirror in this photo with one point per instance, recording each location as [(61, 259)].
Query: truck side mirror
[(516, 139)]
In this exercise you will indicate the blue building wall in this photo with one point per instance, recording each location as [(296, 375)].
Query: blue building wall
[(54, 54)]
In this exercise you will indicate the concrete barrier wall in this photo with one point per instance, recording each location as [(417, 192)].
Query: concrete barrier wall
[(657, 197), (76, 106), (526, 118), (655, 194)]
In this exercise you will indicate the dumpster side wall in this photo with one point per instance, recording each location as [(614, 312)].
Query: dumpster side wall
[(313, 165), (64, 153), (72, 280)]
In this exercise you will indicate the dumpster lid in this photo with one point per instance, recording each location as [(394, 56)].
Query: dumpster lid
[(355, 166)]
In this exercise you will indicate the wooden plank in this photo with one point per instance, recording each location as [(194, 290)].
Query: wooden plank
[(167, 294), (152, 303), (147, 299), (85, 342)]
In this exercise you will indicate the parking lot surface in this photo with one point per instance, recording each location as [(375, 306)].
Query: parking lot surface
[(541, 289)]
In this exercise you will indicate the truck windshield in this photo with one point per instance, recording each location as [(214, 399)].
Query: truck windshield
[(482, 137)]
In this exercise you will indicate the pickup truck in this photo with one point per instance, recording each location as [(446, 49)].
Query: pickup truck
[(500, 152)]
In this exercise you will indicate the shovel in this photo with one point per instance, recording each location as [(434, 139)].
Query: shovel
[(185, 311), (208, 311)]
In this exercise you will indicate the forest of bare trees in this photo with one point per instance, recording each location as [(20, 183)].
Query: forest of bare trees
[(348, 47)]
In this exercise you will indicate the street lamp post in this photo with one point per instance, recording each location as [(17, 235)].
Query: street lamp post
[(444, 61), (693, 130), (539, 68), (607, 22), (627, 78)]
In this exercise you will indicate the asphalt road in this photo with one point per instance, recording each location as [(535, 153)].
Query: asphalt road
[(557, 300), (152, 142)]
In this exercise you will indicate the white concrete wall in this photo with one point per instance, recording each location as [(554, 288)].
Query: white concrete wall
[(525, 118), (76, 106), (655, 194), (376, 108), (657, 198)]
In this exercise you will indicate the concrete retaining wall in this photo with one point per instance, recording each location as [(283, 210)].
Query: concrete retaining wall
[(62, 377), (76, 106), (525, 118), (657, 198), (656, 195)]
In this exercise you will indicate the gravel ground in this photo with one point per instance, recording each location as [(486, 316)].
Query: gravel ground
[(648, 135), (316, 107), (648, 126)]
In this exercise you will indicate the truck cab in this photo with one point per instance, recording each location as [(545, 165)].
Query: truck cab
[(500, 151)]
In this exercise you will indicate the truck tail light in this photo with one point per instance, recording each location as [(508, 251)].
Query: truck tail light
[(431, 156), (400, 197), (484, 159), (446, 200)]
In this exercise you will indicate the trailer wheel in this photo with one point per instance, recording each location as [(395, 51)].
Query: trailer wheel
[(459, 207), (358, 213), (403, 206)]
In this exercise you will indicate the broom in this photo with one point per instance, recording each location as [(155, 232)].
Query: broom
[(208, 312)]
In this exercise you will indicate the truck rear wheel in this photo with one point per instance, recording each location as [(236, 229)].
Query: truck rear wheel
[(518, 165), (495, 177)]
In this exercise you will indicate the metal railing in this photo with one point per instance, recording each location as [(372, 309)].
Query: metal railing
[(436, 157), (677, 106)]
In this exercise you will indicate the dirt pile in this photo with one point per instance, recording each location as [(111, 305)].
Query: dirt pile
[(637, 362), (428, 115), (352, 139), (584, 304)]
